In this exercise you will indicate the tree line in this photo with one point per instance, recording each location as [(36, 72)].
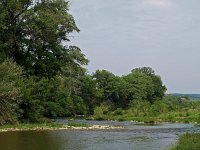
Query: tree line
[(43, 76)]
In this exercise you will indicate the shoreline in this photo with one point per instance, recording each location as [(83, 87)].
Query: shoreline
[(40, 128), (72, 126)]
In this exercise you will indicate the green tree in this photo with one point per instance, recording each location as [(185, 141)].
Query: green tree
[(33, 33), (146, 70), (73, 70), (45, 98), (113, 88), (139, 86), (89, 93), (158, 90), (10, 92)]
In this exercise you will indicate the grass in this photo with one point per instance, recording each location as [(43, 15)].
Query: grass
[(160, 111), (189, 141), (78, 124), (172, 116)]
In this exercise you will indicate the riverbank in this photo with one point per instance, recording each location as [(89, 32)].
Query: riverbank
[(160, 111), (189, 141), (172, 117), (55, 126)]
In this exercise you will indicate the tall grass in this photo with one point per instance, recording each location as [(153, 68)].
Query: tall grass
[(166, 110), (188, 142)]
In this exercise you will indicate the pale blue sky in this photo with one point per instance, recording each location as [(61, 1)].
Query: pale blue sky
[(119, 35)]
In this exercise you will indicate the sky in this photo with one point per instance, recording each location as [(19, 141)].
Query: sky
[(120, 35)]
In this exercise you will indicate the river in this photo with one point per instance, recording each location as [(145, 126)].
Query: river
[(132, 137)]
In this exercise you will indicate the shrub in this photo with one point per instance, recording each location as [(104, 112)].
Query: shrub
[(139, 107), (118, 111), (10, 92)]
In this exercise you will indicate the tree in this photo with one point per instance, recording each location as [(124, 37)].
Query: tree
[(139, 86), (158, 89), (105, 81), (89, 92), (36, 35), (146, 70), (10, 92), (33, 33), (113, 88), (73, 71)]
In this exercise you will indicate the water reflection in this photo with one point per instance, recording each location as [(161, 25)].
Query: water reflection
[(29, 141)]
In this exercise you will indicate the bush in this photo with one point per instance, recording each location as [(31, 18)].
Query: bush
[(44, 98), (139, 107), (118, 111), (102, 111), (80, 107), (158, 107), (10, 92), (98, 113)]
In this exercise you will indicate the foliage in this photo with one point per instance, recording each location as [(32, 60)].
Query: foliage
[(101, 112), (107, 83), (89, 93), (188, 141), (140, 107), (150, 85), (73, 71), (33, 34), (167, 110), (140, 84), (10, 94), (80, 107), (49, 98)]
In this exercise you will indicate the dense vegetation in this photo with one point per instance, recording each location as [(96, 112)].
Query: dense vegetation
[(169, 109), (43, 76), (189, 141)]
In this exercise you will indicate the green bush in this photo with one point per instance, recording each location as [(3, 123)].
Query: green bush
[(10, 92), (98, 113), (118, 111), (139, 107), (80, 107), (158, 107), (45, 98)]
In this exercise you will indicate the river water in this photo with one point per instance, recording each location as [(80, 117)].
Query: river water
[(132, 137)]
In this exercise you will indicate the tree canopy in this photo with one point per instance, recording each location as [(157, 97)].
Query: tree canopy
[(35, 34)]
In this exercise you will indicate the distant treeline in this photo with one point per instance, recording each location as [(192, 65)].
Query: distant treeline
[(190, 96), (43, 76)]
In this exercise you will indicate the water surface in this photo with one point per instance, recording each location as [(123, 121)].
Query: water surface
[(133, 137)]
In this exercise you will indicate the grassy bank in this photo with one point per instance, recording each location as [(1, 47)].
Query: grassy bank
[(188, 142), (160, 111)]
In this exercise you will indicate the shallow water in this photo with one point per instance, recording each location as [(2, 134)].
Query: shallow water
[(133, 137)]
